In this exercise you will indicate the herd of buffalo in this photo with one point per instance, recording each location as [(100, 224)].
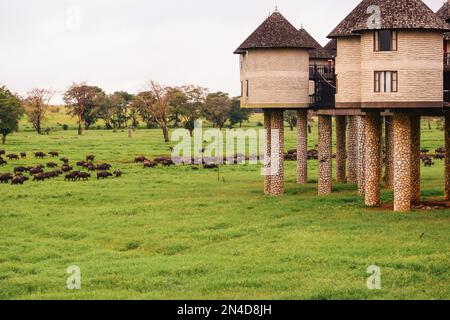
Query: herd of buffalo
[(53, 170)]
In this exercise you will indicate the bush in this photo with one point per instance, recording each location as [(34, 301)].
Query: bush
[(65, 127)]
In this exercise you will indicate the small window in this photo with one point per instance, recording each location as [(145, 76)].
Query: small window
[(242, 88), (385, 40), (386, 81), (248, 88)]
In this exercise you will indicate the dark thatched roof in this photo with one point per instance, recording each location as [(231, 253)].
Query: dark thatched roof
[(318, 52), (395, 14), (444, 14), (331, 47), (275, 32)]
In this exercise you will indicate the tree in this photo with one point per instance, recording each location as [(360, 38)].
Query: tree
[(36, 105), (290, 116), (120, 103), (83, 101), (156, 102), (187, 104), (217, 108), (11, 111), (139, 106), (237, 114)]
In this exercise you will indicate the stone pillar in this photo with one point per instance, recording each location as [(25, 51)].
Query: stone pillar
[(325, 155), (341, 149), (389, 161), (277, 146), (361, 155), (267, 152), (352, 150), (402, 163), (447, 157), (373, 160), (302, 146), (415, 158)]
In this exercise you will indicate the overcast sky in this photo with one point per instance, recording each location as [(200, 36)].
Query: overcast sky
[(121, 44)]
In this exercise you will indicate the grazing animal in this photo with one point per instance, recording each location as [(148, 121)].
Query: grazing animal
[(5, 177), (103, 167), (54, 154), (91, 167), (210, 166), (84, 175), (103, 175), (2, 152), (424, 151), (12, 157), (39, 177), (140, 159), (66, 168), (90, 157), (117, 173), (440, 150), (439, 156), (428, 163), (150, 164), (162, 159), (3, 162), (36, 170), (57, 172), (20, 170), (23, 155), (72, 176), (19, 180), (65, 160), (168, 163), (40, 155), (51, 165), (81, 164)]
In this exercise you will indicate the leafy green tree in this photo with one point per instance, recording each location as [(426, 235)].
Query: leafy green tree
[(36, 105), (237, 114), (290, 116), (139, 106), (11, 111), (217, 108)]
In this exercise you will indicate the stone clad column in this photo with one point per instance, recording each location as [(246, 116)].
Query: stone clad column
[(267, 152), (447, 157), (373, 158), (277, 146), (415, 158), (389, 164), (302, 146), (402, 163), (361, 155), (325, 155), (341, 149), (352, 153)]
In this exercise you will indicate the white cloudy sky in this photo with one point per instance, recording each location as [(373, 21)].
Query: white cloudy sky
[(120, 44)]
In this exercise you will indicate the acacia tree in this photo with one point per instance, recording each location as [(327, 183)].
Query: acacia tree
[(82, 101), (187, 103), (237, 114), (157, 101), (217, 108), (11, 111), (36, 105), (290, 117)]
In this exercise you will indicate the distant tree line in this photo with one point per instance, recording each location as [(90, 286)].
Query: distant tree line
[(157, 106)]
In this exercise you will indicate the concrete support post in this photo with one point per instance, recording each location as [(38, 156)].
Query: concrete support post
[(325, 156), (402, 163), (447, 157), (373, 159), (341, 149), (415, 158), (389, 161), (361, 155), (352, 150), (277, 146), (302, 146), (267, 152)]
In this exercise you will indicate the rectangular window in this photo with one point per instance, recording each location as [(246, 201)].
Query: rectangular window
[(386, 81), (242, 88), (385, 40), (248, 88)]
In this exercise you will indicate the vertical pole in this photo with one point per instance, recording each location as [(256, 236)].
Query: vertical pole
[(373, 160), (325, 156), (402, 163), (415, 158), (389, 164), (361, 155), (302, 146), (352, 150), (268, 151), (277, 180), (341, 149)]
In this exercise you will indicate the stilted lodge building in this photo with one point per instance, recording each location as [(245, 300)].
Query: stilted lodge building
[(383, 64)]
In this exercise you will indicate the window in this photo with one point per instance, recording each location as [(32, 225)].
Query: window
[(385, 40), (386, 81), (242, 88), (248, 89)]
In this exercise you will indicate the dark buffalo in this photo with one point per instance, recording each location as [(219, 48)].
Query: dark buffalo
[(81, 163), (12, 157), (39, 177), (5, 177), (66, 168), (3, 162), (84, 175), (210, 166), (23, 155), (103, 167), (20, 170), (103, 175), (40, 155), (150, 164), (140, 159), (34, 171), (117, 173), (51, 165), (65, 160), (19, 180), (168, 163), (72, 176), (90, 157), (2, 152), (54, 154)]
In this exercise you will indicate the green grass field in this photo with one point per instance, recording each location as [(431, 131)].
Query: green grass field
[(175, 233)]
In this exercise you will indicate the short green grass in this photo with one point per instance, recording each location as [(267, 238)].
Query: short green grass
[(175, 233)]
